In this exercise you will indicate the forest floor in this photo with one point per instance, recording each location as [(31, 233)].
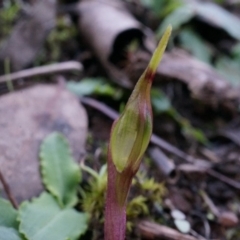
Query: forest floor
[(188, 186)]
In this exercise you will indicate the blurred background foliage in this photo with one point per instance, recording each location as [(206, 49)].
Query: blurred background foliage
[(208, 30)]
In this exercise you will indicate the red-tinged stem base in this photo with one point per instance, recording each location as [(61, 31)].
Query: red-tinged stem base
[(115, 212)]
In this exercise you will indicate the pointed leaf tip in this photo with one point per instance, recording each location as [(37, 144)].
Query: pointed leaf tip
[(158, 54), (132, 131)]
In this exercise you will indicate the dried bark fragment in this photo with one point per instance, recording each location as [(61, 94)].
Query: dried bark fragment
[(108, 28)]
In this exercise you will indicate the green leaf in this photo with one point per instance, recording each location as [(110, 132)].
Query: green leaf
[(161, 104), (207, 11), (61, 174), (189, 131), (44, 219), (177, 18), (163, 7), (160, 101), (196, 45), (8, 215), (97, 86), (229, 69), (219, 17), (236, 51), (9, 234)]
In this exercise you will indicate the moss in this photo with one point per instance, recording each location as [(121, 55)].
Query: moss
[(8, 14)]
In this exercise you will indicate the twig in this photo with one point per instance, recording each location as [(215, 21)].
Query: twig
[(158, 141), (154, 139), (8, 191), (163, 163), (170, 148), (43, 70), (151, 230), (101, 107), (223, 178), (209, 203), (198, 236)]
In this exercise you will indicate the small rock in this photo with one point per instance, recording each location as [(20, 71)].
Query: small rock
[(182, 225), (26, 118), (176, 214), (228, 219)]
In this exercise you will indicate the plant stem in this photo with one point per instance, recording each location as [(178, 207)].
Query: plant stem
[(7, 72), (115, 212)]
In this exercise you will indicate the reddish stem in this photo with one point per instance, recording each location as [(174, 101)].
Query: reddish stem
[(115, 212)]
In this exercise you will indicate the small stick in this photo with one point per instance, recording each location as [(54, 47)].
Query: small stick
[(8, 191), (101, 107), (151, 230), (154, 139), (43, 70), (209, 203), (163, 163), (223, 178), (158, 141)]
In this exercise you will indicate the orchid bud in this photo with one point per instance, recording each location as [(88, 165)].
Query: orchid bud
[(132, 131), (129, 139)]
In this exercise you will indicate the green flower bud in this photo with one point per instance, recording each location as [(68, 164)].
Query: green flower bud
[(131, 133)]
